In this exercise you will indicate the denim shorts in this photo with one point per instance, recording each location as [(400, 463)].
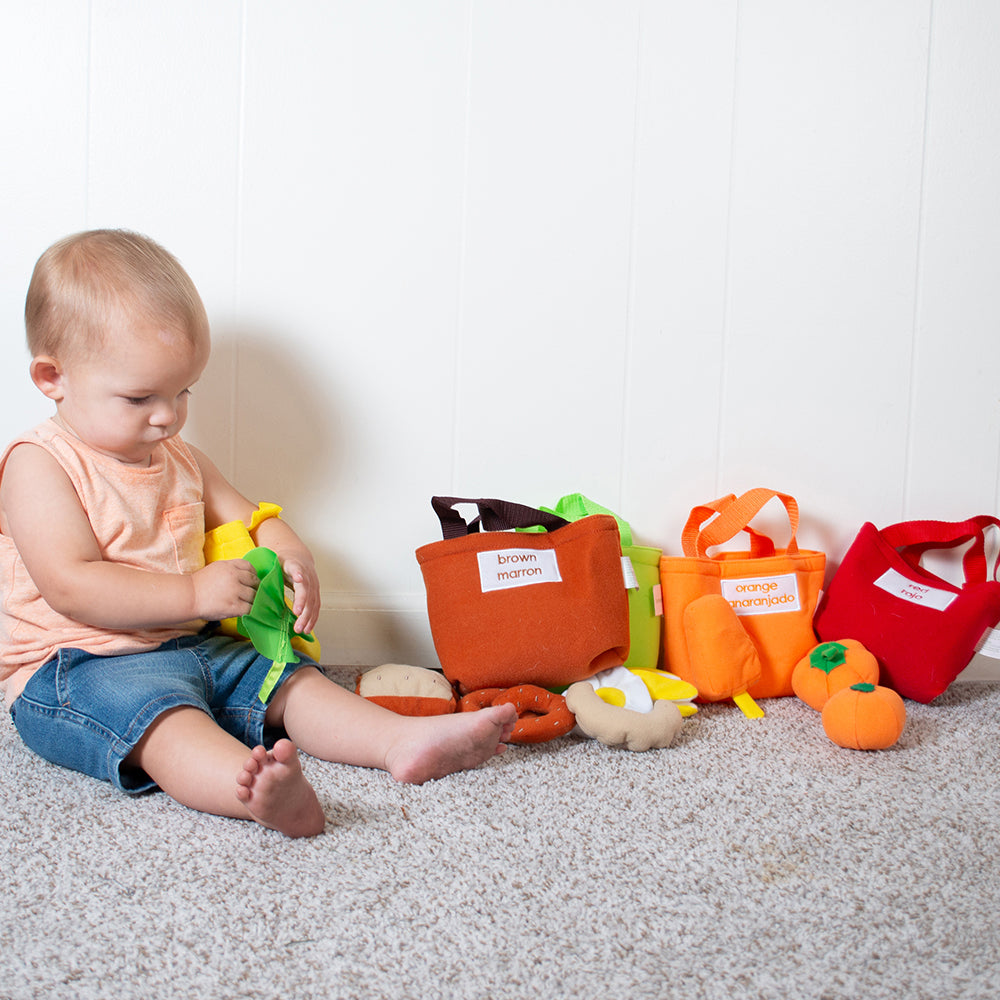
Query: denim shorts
[(88, 712)]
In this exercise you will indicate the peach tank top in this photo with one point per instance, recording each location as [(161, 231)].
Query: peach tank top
[(150, 518)]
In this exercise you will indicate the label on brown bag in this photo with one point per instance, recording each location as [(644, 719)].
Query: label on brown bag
[(502, 569)]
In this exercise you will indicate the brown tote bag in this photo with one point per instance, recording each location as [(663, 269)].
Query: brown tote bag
[(509, 608)]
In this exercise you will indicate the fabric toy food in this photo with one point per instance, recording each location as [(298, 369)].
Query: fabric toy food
[(727, 658), (616, 726), (542, 715), (233, 540), (270, 622), (660, 685), (830, 667), (634, 708), (407, 690), (625, 707), (864, 717)]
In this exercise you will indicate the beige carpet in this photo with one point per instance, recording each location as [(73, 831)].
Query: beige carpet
[(752, 859)]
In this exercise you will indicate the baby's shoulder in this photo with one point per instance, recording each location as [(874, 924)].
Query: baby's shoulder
[(32, 462), (29, 474)]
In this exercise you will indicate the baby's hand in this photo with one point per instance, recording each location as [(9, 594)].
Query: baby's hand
[(301, 576), (224, 589)]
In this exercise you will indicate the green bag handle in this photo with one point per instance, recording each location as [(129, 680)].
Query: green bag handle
[(573, 506)]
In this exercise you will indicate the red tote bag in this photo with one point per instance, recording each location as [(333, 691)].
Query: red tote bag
[(922, 629)]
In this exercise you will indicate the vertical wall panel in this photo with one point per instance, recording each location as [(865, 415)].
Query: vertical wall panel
[(552, 110), (827, 165), (352, 217), (43, 170), (955, 420), (164, 131), (680, 219)]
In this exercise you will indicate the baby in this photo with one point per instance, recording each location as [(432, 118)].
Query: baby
[(108, 659)]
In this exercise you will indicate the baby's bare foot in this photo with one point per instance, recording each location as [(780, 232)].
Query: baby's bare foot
[(277, 794), (441, 744)]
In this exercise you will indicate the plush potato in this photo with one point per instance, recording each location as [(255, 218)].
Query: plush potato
[(407, 690)]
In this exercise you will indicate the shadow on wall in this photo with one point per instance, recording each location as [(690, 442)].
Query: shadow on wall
[(269, 422), (270, 417)]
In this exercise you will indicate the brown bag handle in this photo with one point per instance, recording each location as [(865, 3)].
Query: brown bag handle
[(732, 515), (494, 515)]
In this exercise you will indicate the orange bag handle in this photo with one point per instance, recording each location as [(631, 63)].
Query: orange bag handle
[(730, 515), (760, 545)]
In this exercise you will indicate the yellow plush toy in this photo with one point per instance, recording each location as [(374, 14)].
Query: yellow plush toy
[(234, 540)]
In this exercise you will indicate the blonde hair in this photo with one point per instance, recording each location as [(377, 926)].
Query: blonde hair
[(88, 286)]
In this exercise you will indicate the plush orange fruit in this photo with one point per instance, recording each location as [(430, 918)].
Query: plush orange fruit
[(864, 717), (830, 667)]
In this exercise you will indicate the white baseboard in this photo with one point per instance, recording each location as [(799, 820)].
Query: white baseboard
[(982, 668), (366, 636), (398, 632)]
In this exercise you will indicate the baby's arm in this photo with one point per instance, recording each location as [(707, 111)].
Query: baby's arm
[(223, 503), (42, 514)]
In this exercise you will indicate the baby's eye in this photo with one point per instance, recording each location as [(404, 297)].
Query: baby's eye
[(137, 400)]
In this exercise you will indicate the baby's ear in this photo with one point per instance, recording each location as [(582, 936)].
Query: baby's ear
[(47, 375)]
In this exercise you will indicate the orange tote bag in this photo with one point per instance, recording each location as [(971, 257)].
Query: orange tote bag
[(736, 623), (509, 608)]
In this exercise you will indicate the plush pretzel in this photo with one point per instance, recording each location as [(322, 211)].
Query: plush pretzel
[(475, 700), (541, 715)]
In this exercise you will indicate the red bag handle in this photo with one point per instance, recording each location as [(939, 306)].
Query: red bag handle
[(733, 516), (494, 515), (913, 538)]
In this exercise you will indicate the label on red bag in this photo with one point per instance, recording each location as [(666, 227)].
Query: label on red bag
[(763, 595), (916, 593), (502, 569), (989, 644), (983, 665)]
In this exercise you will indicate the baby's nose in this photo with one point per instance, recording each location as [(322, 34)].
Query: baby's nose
[(163, 415)]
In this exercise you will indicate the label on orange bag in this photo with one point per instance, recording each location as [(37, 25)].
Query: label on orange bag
[(762, 595), (501, 569)]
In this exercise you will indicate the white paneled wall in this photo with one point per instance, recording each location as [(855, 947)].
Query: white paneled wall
[(652, 251)]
